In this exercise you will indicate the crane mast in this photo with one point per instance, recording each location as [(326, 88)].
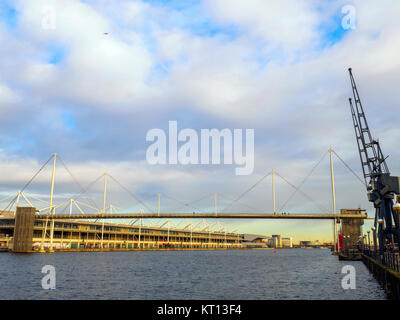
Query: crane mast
[(380, 186)]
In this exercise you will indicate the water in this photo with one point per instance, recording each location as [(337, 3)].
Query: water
[(244, 274)]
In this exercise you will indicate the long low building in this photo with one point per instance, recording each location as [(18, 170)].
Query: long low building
[(82, 234), (254, 241)]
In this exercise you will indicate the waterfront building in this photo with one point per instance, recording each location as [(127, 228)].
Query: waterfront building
[(275, 241), (84, 234), (287, 242), (254, 241)]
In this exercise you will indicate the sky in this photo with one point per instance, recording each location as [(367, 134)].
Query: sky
[(88, 79)]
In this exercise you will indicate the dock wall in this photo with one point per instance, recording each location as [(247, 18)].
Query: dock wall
[(388, 279)]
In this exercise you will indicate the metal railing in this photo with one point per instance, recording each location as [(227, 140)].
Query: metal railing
[(388, 259)]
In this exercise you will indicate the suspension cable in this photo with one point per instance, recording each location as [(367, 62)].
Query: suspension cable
[(304, 180), (189, 204), (77, 182), (232, 198), (247, 191), (131, 193), (305, 195), (78, 195), (32, 197), (27, 184), (348, 167)]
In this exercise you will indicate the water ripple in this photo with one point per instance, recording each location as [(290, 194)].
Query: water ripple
[(242, 275)]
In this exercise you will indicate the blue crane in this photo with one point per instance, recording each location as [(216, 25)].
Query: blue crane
[(381, 186)]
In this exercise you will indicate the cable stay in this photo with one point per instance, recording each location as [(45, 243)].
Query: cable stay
[(27, 184), (85, 190), (304, 194), (246, 192), (132, 194), (230, 198), (6, 198), (35, 198), (76, 181), (350, 169), (304, 180), (189, 204)]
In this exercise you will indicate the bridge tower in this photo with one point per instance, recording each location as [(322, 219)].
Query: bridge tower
[(23, 229), (351, 230)]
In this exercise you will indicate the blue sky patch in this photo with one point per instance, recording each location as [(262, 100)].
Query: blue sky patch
[(8, 14), (175, 4), (158, 71), (333, 32), (67, 119), (209, 29), (191, 16), (56, 54)]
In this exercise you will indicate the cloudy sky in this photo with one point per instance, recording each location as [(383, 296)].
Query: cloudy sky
[(88, 80)]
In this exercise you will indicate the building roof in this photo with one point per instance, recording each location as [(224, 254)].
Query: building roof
[(6, 214), (253, 237)]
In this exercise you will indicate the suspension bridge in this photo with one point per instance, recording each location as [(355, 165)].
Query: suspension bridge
[(47, 208), (88, 208), (83, 207)]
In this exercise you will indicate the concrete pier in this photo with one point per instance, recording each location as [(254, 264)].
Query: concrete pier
[(351, 232), (23, 229)]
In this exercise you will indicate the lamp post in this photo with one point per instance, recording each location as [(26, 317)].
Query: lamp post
[(362, 242), (374, 235), (365, 241), (369, 241)]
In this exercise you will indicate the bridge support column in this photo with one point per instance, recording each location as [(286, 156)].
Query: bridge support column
[(23, 229), (335, 242)]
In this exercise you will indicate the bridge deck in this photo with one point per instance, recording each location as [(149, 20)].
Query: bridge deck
[(202, 216)]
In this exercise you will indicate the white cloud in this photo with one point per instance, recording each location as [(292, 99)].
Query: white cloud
[(7, 96), (275, 73), (288, 23)]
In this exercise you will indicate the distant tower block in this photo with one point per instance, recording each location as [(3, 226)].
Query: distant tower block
[(23, 229), (351, 229)]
